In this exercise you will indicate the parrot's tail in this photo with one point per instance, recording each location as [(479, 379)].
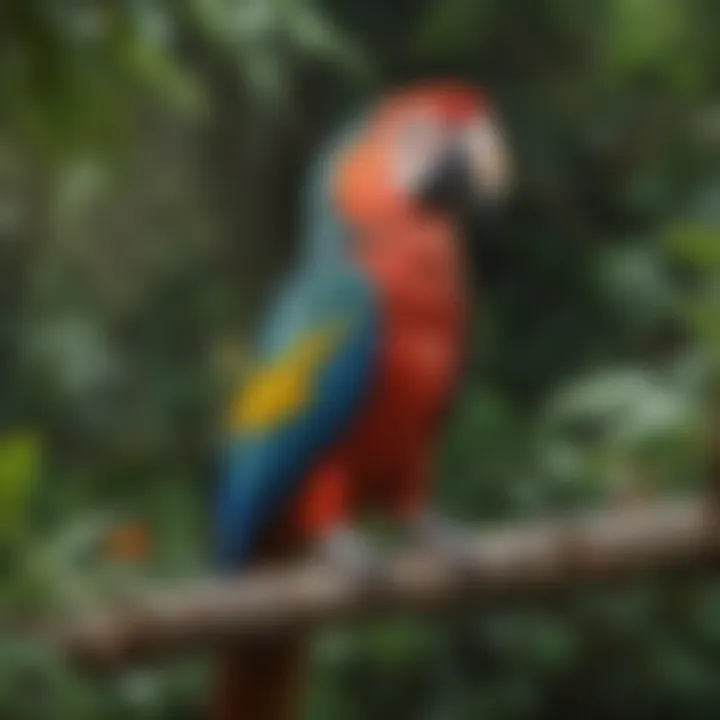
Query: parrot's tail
[(259, 682), (262, 679)]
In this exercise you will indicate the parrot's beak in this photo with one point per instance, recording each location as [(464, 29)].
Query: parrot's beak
[(472, 174), (449, 186)]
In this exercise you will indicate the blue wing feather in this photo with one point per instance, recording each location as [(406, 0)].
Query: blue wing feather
[(261, 471)]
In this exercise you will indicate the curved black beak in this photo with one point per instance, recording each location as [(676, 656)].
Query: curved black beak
[(449, 186), (471, 177)]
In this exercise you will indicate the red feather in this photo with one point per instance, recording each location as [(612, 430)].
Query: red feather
[(413, 261)]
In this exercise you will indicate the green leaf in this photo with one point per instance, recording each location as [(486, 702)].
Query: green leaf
[(20, 459), (695, 243), (156, 70), (316, 35), (645, 33), (630, 407), (451, 28)]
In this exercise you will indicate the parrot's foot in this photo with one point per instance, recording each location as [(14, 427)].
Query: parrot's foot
[(349, 552), (449, 539)]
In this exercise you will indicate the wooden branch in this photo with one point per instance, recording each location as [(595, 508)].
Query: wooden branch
[(513, 561)]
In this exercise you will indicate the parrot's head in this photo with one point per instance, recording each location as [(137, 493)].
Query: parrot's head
[(433, 149)]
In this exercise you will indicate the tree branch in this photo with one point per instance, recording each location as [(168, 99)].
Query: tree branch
[(511, 561)]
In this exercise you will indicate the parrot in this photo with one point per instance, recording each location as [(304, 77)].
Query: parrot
[(358, 360)]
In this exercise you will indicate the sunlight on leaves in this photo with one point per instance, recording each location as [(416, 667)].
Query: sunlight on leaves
[(695, 243), (20, 461)]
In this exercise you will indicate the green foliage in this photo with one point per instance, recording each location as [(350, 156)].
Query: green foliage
[(453, 29), (37, 685), (19, 476), (72, 76), (267, 37), (149, 172)]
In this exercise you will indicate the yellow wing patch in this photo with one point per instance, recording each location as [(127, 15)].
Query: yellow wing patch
[(279, 391)]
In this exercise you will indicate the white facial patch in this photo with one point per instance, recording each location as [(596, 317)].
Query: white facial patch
[(490, 163), (419, 144)]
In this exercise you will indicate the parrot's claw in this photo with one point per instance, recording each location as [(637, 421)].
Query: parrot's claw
[(452, 541), (349, 552)]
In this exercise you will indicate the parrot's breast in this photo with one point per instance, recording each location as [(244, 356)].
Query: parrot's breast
[(421, 289)]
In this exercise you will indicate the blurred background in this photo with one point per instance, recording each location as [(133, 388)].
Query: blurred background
[(152, 154)]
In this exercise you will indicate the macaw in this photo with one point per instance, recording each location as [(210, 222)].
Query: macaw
[(360, 357)]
